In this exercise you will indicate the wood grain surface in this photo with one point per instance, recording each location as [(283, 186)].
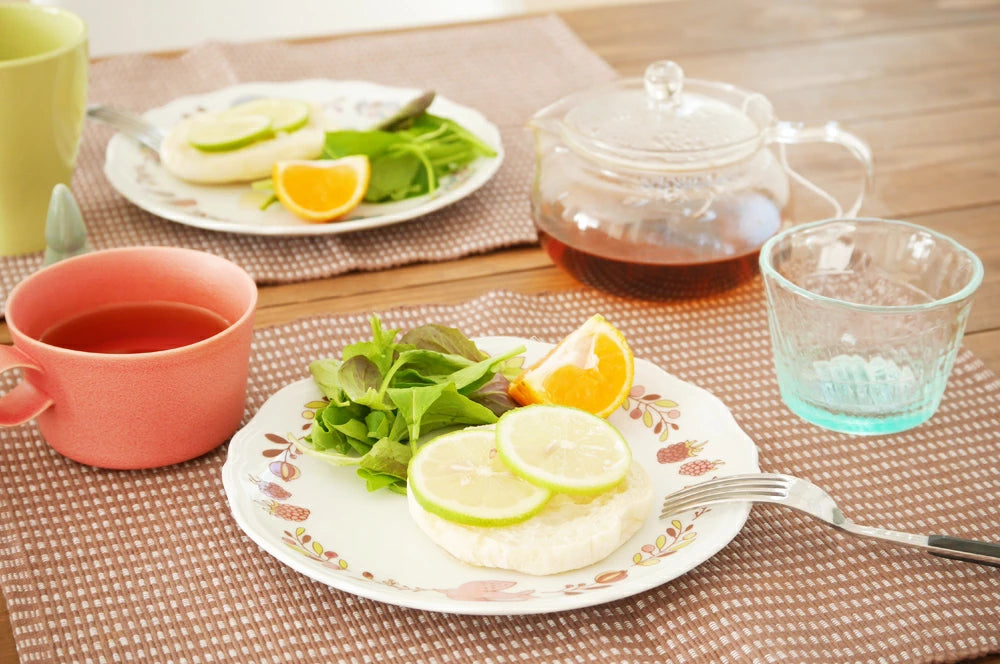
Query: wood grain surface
[(919, 80)]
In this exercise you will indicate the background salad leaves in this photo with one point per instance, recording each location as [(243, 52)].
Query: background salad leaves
[(410, 161), (406, 161)]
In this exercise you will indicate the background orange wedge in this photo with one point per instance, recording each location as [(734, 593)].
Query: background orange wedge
[(323, 189)]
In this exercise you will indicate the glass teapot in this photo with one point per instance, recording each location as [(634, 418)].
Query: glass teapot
[(665, 187)]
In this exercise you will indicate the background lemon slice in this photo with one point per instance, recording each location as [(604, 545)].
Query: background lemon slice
[(592, 369), (220, 134), (286, 114), (459, 477), (563, 449)]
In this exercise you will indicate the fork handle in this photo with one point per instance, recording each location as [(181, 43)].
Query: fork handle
[(945, 546)]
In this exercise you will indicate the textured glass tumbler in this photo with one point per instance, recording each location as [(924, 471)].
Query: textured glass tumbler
[(866, 317)]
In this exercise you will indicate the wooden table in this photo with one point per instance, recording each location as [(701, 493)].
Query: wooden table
[(919, 80)]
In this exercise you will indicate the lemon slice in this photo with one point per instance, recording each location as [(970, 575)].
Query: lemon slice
[(221, 134), (564, 449), (459, 477), (286, 115)]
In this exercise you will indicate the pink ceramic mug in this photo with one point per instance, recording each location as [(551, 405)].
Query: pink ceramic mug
[(131, 407)]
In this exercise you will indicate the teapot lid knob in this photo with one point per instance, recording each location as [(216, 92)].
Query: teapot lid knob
[(664, 81)]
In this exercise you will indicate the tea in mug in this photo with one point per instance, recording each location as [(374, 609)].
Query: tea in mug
[(135, 327)]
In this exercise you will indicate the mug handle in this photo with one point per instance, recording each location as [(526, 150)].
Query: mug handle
[(788, 133), (24, 402)]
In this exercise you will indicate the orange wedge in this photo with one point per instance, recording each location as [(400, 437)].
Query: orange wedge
[(323, 189), (591, 369)]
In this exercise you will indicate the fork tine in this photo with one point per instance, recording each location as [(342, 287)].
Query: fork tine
[(728, 496), (741, 481), (129, 124), (766, 487)]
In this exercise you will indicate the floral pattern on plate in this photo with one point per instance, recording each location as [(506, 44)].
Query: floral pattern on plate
[(137, 174), (321, 521)]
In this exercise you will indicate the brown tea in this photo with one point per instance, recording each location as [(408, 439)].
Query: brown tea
[(654, 262), (135, 327), (651, 281)]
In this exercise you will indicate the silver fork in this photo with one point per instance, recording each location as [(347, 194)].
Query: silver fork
[(814, 501), (129, 124)]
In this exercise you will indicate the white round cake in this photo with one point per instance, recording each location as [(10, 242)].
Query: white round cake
[(570, 532)]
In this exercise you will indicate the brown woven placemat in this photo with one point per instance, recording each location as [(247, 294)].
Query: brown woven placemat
[(507, 70), (150, 566)]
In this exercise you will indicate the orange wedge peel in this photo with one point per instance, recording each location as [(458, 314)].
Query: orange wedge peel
[(591, 369)]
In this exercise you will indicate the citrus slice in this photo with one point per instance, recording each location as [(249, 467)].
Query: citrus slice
[(563, 449), (323, 189), (286, 114), (221, 134), (459, 477), (592, 369)]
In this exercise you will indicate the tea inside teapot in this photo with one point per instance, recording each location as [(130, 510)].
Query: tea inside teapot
[(655, 242), (661, 187)]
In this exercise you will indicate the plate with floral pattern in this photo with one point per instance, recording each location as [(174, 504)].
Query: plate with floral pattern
[(135, 171), (321, 521)]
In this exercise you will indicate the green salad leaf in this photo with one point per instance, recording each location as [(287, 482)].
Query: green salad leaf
[(411, 161), (386, 396)]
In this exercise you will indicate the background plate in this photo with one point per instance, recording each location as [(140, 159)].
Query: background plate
[(136, 172)]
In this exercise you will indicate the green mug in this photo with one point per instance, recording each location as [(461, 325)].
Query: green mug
[(43, 102)]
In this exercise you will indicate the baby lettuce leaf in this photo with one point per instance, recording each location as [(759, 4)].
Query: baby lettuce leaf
[(375, 480), (384, 466), (385, 396), (494, 396), (380, 350), (433, 407), (360, 380), (394, 176), (325, 375), (443, 339)]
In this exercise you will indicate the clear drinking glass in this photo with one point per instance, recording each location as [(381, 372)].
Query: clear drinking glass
[(866, 317)]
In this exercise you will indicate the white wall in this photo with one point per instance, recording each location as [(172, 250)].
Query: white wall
[(125, 26)]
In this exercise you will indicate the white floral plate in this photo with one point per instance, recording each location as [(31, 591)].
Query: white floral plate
[(137, 174), (321, 521)]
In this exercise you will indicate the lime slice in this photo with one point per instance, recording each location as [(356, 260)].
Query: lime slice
[(459, 477), (563, 449), (286, 114), (221, 134)]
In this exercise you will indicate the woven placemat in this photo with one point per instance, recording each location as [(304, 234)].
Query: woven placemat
[(483, 66), (150, 566)]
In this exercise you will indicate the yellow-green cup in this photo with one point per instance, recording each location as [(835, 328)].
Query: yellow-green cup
[(43, 101)]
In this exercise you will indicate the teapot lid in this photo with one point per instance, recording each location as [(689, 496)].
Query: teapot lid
[(663, 121)]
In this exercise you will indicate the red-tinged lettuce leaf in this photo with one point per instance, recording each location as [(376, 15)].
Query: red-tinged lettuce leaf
[(442, 339)]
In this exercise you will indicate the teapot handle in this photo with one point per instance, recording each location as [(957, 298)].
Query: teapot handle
[(25, 401), (787, 133)]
